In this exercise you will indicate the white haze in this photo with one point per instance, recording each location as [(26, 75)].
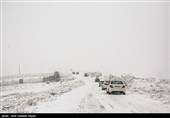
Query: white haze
[(118, 39)]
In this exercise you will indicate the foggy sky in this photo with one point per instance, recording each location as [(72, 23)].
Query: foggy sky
[(117, 39)]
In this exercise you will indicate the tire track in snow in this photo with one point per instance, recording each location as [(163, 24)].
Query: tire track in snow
[(90, 104)]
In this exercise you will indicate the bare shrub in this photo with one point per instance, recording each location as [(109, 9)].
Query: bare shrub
[(31, 102)]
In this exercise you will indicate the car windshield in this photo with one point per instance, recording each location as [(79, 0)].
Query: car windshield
[(116, 82)]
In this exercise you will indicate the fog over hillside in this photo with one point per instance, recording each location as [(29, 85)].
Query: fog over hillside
[(84, 56), (113, 39)]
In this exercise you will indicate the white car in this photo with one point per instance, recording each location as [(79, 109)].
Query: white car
[(116, 86)]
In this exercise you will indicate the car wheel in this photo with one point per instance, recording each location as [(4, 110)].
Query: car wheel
[(108, 92), (123, 93)]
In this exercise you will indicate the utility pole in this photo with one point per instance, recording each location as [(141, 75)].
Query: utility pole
[(19, 70), (20, 76)]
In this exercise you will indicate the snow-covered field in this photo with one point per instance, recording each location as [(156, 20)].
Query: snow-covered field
[(82, 95), (20, 98)]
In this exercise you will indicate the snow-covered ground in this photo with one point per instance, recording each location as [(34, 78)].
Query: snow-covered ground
[(91, 99), (82, 95), (20, 98)]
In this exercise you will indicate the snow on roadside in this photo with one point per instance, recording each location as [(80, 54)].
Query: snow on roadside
[(21, 98), (28, 87), (66, 103), (158, 89)]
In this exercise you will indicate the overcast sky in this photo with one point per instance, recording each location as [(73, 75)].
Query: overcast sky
[(116, 39)]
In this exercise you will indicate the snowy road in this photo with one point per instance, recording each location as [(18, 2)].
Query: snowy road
[(91, 99)]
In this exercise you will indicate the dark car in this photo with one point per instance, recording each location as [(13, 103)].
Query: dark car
[(53, 78), (86, 74), (101, 82), (104, 85), (97, 79)]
